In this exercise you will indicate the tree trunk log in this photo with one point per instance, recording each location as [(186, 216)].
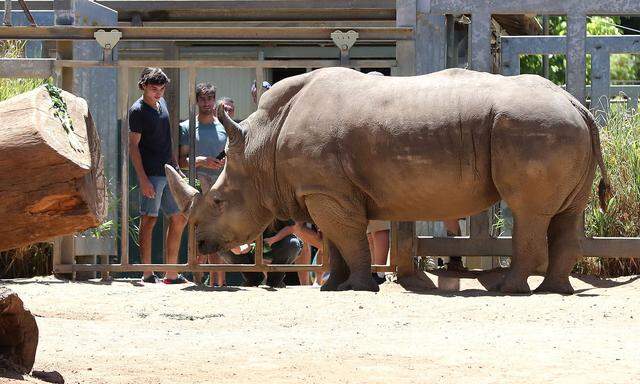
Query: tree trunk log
[(51, 179), (18, 332)]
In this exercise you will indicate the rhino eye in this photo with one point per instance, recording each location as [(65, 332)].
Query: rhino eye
[(217, 201)]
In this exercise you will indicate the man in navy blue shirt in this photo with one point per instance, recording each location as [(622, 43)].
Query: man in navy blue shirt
[(150, 148)]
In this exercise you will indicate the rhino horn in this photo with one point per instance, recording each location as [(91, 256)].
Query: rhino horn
[(185, 195), (233, 129)]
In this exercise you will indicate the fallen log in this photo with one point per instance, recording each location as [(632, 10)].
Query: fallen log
[(51, 173), (18, 332)]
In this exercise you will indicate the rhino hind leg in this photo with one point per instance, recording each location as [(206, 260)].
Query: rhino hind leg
[(564, 250), (338, 269), (344, 224), (529, 247)]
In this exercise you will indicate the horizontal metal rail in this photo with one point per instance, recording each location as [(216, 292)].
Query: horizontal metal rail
[(537, 7), (235, 34), (607, 247), (68, 268), (43, 68)]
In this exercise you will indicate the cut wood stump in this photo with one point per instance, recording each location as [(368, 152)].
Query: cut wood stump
[(18, 332), (51, 173)]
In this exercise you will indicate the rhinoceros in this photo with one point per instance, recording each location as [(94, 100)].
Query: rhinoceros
[(339, 147)]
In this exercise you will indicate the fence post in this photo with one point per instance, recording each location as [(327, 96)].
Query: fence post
[(481, 41), (576, 55), (406, 49), (510, 58), (430, 39), (600, 82), (404, 247)]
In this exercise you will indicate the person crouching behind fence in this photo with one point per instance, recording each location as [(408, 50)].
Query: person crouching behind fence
[(150, 148), (284, 251)]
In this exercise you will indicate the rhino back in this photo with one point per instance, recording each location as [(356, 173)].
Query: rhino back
[(402, 141)]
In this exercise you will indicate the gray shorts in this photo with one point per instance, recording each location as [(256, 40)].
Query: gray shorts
[(164, 199)]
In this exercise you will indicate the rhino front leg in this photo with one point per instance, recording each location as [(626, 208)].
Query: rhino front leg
[(344, 223), (338, 269)]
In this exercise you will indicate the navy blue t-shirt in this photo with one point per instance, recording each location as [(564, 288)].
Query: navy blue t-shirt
[(155, 128)]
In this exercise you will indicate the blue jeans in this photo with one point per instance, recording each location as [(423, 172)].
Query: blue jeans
[(164, 199)]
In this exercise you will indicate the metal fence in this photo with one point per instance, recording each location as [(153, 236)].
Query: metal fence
[(421, 46)]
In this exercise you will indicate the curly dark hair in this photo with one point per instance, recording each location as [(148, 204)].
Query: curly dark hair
[(204, 89), (151, 75)]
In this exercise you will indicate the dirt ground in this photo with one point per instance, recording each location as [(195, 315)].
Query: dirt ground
[(125, 332)]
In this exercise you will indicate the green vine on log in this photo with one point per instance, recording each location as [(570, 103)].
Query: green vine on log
[(62, 113)]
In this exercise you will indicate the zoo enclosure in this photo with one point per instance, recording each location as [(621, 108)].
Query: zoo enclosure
[(421, 46)]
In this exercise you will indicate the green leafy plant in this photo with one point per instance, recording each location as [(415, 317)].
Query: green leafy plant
[(62, 113)]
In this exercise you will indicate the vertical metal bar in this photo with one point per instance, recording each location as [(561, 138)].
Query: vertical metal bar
[(600, 83), (431, 39), (123, 101), (576, 51), (406, 50), (406, 246), (259, 77), (479, 228), (481, 41), (545, 58), (393, 243), (325, 253), (7, 13), (259, 252), (191, 249), (452, 52), (510, 58)]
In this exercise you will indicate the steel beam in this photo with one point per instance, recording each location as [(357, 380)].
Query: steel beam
[(40, 68), (202, 268), (548, 7), (272, 34), (608, 247)]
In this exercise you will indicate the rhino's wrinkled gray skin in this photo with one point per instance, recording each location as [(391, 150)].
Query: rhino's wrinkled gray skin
[(340, 147)]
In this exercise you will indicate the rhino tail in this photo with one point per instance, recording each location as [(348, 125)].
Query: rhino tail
[(604, 186)]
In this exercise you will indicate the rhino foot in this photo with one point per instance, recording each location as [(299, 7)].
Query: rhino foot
[(491, 281), (416, 282), (560, 286), (332, 283), (359, 284), (518, 286)]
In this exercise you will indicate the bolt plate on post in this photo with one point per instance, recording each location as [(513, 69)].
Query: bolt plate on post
[(344, 41)]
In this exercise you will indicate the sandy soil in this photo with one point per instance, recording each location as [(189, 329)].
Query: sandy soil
[(124, 332)]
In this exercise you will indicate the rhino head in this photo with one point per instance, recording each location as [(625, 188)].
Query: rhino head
[(230, 212)]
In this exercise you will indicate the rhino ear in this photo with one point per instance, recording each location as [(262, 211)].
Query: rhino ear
[(206, 182), (233, 129), (185, 195)]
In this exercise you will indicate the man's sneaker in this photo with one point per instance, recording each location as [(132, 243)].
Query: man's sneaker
[(178, 280), (151, 279)]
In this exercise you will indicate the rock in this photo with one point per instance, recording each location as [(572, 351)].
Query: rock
[(18, 332), (49, 377)]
